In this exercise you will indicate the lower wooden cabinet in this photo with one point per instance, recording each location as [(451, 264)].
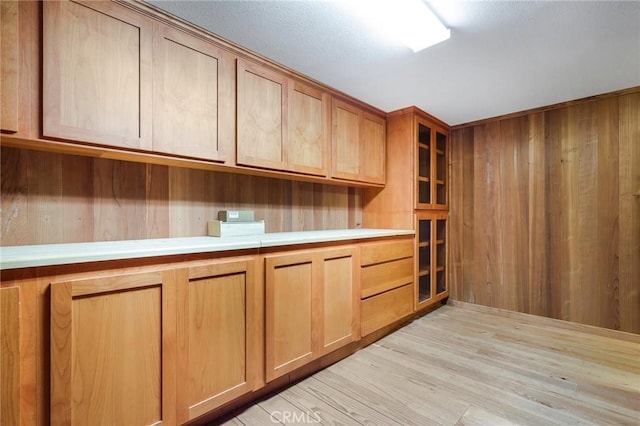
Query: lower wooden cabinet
[(112, 356), (311, 306), (167, 342), (386, 283), (431, 258), (217, 333), (159, 346), (10, 356)]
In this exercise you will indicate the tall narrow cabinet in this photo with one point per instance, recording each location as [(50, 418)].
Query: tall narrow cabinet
[(416, 196)]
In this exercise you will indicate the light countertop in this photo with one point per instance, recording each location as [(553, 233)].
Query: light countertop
[(12, 257)]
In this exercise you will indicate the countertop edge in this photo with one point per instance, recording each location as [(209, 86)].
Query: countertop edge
[(16, 257)]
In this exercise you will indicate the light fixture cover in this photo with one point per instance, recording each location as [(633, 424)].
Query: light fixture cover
[(410, 22)]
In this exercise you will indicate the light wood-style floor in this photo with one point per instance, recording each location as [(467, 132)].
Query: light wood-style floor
[(468, 365)]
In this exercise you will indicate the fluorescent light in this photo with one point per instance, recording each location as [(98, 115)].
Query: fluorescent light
[(410, 22)]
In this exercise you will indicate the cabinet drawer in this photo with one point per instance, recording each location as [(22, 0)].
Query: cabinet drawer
[(372, 254), (383, 309), (379, 278)]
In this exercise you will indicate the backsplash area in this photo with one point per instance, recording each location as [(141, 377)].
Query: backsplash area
[(58, 198)]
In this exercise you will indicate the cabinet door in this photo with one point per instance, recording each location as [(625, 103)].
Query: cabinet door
[(358, 142), (290, 292), (432, 166), (10, 356), (96, 71), (262, 119), (372, 149), (113, 350), (193, 96), (9, 67), (431, 252), (340, 299), (345, 141), (217, 336), (307, 146)]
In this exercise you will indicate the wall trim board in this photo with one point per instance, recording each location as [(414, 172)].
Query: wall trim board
[(551, 107)]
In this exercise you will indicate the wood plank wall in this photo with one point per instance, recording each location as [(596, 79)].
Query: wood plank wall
[(58, 198), (545, 212)]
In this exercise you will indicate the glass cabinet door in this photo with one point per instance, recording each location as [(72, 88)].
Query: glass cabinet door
[(431, 167), (424, 260), (441, 168), (431, 255), (424, 164)]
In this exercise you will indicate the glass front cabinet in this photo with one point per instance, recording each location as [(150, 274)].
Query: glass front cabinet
[(431, 212), (416, 196), (431, 258), (431, 168)]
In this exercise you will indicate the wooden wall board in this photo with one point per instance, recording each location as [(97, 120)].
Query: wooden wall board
[(544, 212), (59, 198)]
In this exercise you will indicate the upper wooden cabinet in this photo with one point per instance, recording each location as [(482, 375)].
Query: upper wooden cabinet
[(9, 66), (358, 144), (282, 124), (97, 74), (431, 165), (129, 84), (307, 148), (193, 96)]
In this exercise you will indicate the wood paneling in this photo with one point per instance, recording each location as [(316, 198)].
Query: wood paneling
[(58, 198), (544, 213)]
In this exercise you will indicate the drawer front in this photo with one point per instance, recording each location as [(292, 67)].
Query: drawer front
[(383, 309), (371, 254), (382, 277)]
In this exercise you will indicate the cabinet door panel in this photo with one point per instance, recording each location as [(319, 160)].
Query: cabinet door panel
[(346, 141), (193, 96), (216, 354), (340, 299), (372, 153), (307, 146), (9, 67), (96, 70), (262, 118), (110, 352), (10, 356), (289, 315)]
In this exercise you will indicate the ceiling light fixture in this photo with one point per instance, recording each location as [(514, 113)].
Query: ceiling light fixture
[(411, 22)]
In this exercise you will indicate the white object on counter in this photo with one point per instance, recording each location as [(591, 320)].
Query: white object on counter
[(218, 228)]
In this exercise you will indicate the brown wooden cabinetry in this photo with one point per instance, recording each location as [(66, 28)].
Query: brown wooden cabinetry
[(9, 67), (416, 196), (282, 124), (358, 144), (386, 283), (193, 96), (431, 258), (10, 356), (97, 74), (112, 356), (218, 335), (311, 306)]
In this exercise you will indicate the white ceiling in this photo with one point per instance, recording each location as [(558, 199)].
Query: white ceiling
[(503, 56)]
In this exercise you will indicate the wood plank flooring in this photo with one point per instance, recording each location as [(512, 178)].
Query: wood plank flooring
[(469, 365)]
